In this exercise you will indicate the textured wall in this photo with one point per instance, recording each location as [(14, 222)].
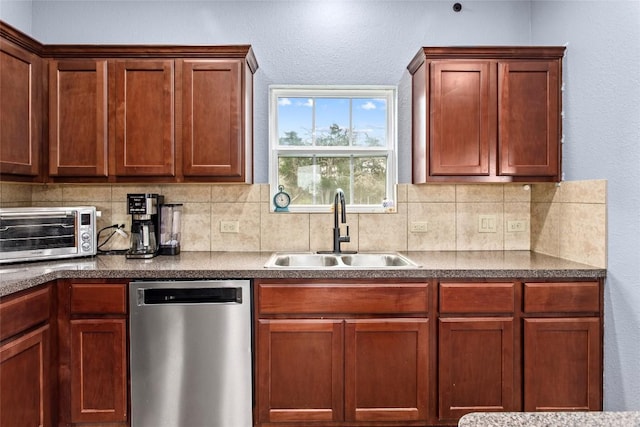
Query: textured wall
[(17, 13), (602, 135)]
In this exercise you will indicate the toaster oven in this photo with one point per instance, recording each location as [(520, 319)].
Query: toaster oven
[(31, 234)]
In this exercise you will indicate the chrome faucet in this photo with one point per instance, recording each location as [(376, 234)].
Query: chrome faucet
[(339, 204)]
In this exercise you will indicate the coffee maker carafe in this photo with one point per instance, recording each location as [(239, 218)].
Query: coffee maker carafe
[(145, 224)]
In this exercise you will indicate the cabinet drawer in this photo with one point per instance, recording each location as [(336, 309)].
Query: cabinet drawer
[(476, 297), (562, 297), (323, 298), (21, 313), (89, 298)]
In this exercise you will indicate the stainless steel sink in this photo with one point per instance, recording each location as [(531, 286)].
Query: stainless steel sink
[(377, 260), (302, 260), (331, 261)]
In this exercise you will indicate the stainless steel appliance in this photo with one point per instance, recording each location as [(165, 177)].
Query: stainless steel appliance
[(32, 234), (145, 224), (191, 354)]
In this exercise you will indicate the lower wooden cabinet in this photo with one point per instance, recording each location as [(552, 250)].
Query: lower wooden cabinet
[(477, 345), (366, 362), (26, 359), (349, 353), (562, 364), (476, 366), (300, 370), (25, 380), (386, 369), (562, 346), (92, 333), (98, 370)]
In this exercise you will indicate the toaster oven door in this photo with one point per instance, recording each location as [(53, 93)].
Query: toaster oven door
[(37, 234)]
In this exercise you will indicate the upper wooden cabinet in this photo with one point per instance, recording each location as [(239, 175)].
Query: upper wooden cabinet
[(212, 119), (487, 114), (129, 113), (174, 113), (20, 105), (144, 118), (78, 126)]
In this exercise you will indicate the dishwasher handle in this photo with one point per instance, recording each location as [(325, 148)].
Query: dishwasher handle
[(212, 295)]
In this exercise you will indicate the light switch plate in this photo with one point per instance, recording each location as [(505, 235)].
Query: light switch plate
[(487, 224), (418, 227)]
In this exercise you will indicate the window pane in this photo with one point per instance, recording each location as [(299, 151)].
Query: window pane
[(369, 122), (295, 121), (314, 180), (370, 174), (332, 121)]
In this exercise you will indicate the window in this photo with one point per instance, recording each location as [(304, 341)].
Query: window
[(329, 137)]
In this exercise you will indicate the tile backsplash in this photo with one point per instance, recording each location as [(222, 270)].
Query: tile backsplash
[(566, 220)]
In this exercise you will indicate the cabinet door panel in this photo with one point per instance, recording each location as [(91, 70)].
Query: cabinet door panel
[(20, 118), (25, 381), (386, 370), (144, 122), (212, 117), (98, 370), (300, 365), (562, 364), (461, 130), (476, 366), (529, 126), (78, 118)]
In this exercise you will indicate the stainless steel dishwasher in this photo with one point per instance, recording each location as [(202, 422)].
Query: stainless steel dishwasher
[(190, 349)]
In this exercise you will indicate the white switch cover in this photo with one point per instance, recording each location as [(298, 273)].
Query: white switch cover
[(517, 226), (229, 227), (418, 227), (487, 224)]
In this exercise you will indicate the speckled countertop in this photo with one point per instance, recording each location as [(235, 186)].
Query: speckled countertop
[(250, 265), (551, 419)]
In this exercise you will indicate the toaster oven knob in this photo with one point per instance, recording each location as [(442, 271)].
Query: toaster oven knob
[(86, 246), (85, 236)]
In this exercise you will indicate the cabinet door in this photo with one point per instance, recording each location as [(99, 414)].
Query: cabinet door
[(144, 118), (25, 386), (529, 110), (300, 370), (98, 370), (463, 126), (20, 117), (212, 118), (78, 118), (476, 366), (386, 370), (562, 364)]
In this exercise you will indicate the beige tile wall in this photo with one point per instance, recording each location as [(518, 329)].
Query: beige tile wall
[(567, 220), (570, 221)]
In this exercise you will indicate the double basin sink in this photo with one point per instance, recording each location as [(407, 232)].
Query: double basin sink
[(340, 260)]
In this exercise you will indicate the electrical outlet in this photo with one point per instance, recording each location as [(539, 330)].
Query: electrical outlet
[(487, 224), (418, 227), (517, 226), (229, 227)]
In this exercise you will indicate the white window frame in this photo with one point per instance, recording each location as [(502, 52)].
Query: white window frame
[(389, 93)]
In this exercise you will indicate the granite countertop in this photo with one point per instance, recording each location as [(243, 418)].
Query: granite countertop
[(250, 265), (551, 419)]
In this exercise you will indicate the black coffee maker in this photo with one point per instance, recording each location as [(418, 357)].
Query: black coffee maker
[(145, 224)]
